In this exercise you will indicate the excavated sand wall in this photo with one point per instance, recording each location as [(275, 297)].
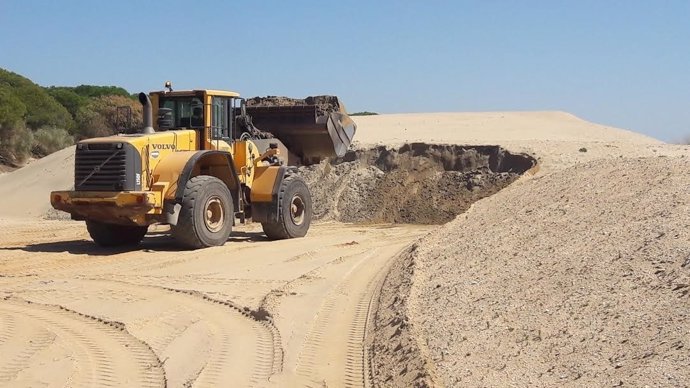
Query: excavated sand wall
[(417, 183)]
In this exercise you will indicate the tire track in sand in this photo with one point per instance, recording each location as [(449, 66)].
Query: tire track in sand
[(202, 341), (235, 340), (103, 353), (333, 352), (18, 347), (201, 337)]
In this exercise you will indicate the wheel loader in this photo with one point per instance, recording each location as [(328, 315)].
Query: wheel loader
[(201, 167)]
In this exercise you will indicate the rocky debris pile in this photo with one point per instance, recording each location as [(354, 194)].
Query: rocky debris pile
[(325, 104), (416, 183)]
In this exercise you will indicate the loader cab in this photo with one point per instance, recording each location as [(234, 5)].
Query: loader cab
[(209, 112)]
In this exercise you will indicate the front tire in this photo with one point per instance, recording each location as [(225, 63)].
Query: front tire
[(206, 215), (294, 210), (111, 235)]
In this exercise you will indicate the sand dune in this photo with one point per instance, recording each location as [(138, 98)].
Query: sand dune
[(26, 192), (489, 127)]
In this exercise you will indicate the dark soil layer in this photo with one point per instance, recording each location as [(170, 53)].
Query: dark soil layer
[(416, 183), (325, 104)]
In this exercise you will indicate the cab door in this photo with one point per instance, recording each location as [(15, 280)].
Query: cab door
[(221, 122)]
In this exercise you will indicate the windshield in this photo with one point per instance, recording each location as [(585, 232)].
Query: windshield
[(185, 112)]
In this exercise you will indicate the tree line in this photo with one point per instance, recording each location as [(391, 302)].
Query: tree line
[(36, 121)]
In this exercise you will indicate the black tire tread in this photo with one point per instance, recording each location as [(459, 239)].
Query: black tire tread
[(278, 230), (184, 232), (111, 235)]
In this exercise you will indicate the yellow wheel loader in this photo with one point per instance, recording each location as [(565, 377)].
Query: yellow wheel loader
[(202, 167)]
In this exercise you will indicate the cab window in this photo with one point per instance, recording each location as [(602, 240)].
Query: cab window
[(184, 112), (221, 122)]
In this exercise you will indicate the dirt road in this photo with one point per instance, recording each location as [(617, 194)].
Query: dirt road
[(250, 313)]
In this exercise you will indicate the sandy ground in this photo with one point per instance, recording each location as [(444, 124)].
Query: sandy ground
[(75, 315), (308, 312)]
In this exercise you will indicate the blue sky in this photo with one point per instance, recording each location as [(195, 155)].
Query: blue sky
[(621, 63)]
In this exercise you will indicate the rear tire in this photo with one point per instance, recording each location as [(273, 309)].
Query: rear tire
[(294, 210), (111, 235), (206, 215)]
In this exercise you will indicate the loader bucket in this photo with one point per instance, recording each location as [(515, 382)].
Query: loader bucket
[(312, 129)]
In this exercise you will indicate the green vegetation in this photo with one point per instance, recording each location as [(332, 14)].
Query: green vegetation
[(99, 117), (68, 98), (36, 121), (41, 109), (48, 140), (365, 113)]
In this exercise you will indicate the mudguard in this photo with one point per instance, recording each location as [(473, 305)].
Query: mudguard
[(264, 194), (173, 173)]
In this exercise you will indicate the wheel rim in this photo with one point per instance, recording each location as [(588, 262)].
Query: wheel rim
[(297, 209), (214, 214)]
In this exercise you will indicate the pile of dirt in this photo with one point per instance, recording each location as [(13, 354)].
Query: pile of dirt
[(325, 104), (580, 277), (416, 183)]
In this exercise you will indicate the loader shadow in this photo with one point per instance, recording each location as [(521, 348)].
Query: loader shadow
[(153, 242), (247, 236)]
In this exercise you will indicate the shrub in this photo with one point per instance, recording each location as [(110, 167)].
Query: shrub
[(15, 144), (99, 117), (92, 91), (68, 98), (90, 124), (13, 132), (48, 140), (41, 108)]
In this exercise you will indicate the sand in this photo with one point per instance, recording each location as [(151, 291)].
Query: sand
[(574, 276), (26, 191), (564, 280), (597, 235), (555, 138)]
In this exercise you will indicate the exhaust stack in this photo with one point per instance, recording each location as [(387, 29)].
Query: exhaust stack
[(148, 113)]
